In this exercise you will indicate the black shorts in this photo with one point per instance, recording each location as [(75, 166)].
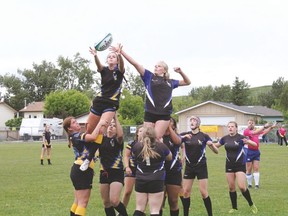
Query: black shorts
[(133, 169), (200, 171), (173, 178), (150, 117), (81, 180), (154, 186), (235, 167), (47, 146), (101, 106), (111, 175)]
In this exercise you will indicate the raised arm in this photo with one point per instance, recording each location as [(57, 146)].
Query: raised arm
[(137, 66), (97, 61), (119, 129), (186, 80), (117, 49)]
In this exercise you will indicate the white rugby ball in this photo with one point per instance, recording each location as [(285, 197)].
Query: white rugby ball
[(104, 43)]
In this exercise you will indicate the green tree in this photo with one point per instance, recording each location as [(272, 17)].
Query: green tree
[(240, 92), (131, 109), (65, 103), (16, 122), (222, 93), (135, 84)]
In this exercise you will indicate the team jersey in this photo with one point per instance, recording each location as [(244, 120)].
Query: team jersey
[(111, 84), (82, 149), (110, 153), (158, 93), (129, 146), (254, 137), (234, 147), (195, 148), (175, 163), (149, 169), (47, 136)]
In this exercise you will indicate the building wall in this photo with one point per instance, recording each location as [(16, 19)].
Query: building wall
[(33, 115), (6, 114)]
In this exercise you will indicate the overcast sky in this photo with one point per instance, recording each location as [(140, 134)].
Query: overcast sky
[(213, 41)]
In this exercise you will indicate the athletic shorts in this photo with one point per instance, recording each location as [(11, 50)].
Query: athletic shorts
[(234, 167), (200, 171), (111, 175), (173, 178), (133, 174), (47, 146), (81, 180), (100, 106), (252, 155), (149, 117), (154, 186)]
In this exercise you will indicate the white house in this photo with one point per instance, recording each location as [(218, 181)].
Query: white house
[(7, 113), (33, 110)]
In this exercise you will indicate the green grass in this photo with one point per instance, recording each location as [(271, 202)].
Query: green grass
[(30, 189)]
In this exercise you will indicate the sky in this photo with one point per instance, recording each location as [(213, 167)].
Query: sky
[(212, 41)]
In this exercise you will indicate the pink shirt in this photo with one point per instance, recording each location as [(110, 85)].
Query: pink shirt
[(282, 131), (254, 137)]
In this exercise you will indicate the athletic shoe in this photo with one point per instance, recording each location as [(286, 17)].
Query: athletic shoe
[(232, 211), (84, 166), (256, 187), (249, 186), (254, 209)]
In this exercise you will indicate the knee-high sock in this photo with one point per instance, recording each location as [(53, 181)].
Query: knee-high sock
[(138, 213), (233, 198), (208, 205), (80, 211), (121, 209), (186, 206), (174, 213), (110, 211), (249, 178), (256, 178), (247, 196)]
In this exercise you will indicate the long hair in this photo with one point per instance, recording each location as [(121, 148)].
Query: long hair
[(66, 125), (137, 131), (149, 142)]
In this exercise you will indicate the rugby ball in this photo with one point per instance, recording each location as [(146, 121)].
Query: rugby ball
[(104, 43)]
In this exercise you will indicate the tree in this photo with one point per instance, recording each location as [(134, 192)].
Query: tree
[(65, 103), (135, 83), (240, 92), (131, 109), (16, 122), (222, 93)]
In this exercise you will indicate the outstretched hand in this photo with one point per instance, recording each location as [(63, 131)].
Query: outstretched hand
[(116, 48), (93, 51)]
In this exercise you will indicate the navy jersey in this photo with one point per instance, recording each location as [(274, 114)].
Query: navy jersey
[(234, 147), (152, 169), (110, 153), (129, 146), (82, 149), (111, 84), (195, 148), (175, 163), (158, 93)]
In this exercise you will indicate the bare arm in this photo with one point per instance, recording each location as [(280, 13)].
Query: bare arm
[(186, 80), (97, 61), (117, 49), (249, 142), (174, 136), (137, 66), (119, 129), (212, 147)]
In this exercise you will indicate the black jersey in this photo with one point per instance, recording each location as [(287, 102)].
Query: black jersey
[(234, 147), (82, 149), (195, 148), (111, 84), (110, 153), (153, 168), (158, 93), (175, 163), (129, 146), (47, 136)]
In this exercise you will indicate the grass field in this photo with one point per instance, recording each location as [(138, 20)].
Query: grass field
[(27, 188)]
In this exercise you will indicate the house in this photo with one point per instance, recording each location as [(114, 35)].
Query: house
[(33, 110), (215, 116), (7, 113)]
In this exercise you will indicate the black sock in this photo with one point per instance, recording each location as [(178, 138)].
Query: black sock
[(233, 198), (208, 205), (154, 214), (49, 162), (160, 212), (138, 213), (41, 161), (174, 213), (110, 211), (72, 213), (121, 209), (186, 206), (247, 196)]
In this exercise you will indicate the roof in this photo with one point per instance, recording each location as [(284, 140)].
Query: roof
[(251, 110), (5, 104), (34, 107)]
